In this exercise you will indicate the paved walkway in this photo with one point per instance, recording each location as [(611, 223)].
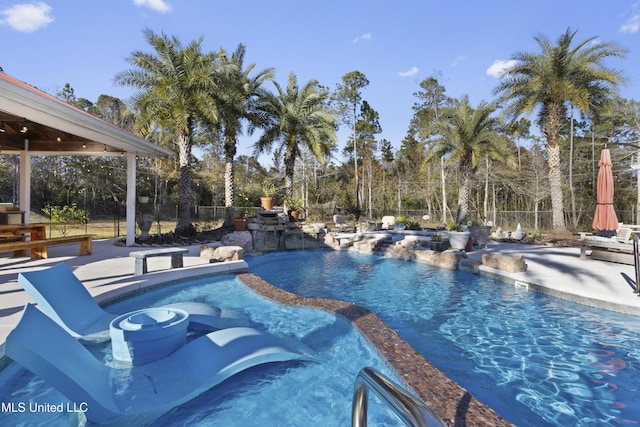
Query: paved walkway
[(559, 271), (109, 270)]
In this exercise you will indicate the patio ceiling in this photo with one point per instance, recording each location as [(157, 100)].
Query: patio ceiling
[(52, 126)]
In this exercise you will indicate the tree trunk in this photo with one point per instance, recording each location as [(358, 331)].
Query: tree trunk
[(355, 159), (184, 226), (463, 192), (229, 191), (554, 115), (229, 179), (572, 191), (485, 204), (444, 191), (370, 188), (494, 206), (555, 187), (289, 168)]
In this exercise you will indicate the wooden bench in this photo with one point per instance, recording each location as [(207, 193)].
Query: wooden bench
[(141, 258), (39, 247), (8, 237), (607, 250)]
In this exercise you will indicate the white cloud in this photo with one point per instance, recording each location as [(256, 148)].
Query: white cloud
[(157, 5), (412, 72), (27, 18), (499, 67), (632, 25), (363, 37), (457, 60)]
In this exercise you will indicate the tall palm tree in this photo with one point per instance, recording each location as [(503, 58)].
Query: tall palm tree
[(467, 135), (297, 118), (237, 95), (174, 95), (561, 75)]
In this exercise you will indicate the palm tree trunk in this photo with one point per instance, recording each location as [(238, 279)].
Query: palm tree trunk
[(184, 226), (555, 187), (289, 167), (552, 124), (572, 191), (229, 179), (463, 193), (229, 182), (229, 190)]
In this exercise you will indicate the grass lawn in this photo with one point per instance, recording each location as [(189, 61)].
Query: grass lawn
[(107, 229)]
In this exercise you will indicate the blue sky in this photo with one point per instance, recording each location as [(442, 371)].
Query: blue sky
[(396, 44)]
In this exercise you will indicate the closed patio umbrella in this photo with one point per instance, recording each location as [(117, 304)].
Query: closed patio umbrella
[(605, 220)]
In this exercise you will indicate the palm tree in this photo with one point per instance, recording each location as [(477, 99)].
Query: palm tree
[(297, 118), (174, 86), (237, 95), (549, 81), (467, 135)]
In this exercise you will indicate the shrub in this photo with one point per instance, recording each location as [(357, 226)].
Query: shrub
[(67, 215)]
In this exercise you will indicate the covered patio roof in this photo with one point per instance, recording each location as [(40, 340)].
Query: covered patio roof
[(33, 122), (53, 126)]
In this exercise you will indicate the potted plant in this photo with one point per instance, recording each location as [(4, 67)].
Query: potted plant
[(294, 206), (401, 223), (457, 238), (268, 190), (479, 234), (239, 224), (242, 210), (436, 243)]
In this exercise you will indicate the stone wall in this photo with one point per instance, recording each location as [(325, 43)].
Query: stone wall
[(279, 237)]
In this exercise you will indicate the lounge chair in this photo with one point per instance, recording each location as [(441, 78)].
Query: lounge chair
[(339, 222), (62, 297), (618, 248), (137, 395)]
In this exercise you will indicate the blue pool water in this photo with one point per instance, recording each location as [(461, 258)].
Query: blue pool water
[(536, 360), (316, 393)]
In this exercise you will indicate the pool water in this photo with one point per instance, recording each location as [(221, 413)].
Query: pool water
[(296, 393), (535, 359)]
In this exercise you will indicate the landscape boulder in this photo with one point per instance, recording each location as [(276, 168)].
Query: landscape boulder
[(512, 263), (221, 253)]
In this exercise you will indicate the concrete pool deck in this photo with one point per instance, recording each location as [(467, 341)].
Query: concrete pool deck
[(108, 273)]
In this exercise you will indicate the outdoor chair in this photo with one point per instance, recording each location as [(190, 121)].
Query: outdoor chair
[(339, 222), (62, 297), (136, 395), (623, 235)]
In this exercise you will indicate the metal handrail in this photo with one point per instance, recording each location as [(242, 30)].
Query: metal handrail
[(410, 410), (636, 262)]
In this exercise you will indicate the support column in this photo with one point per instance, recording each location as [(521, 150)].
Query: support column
[(131, 199), (25, 182)]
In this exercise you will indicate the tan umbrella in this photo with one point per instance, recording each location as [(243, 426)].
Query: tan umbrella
[(605, 218)]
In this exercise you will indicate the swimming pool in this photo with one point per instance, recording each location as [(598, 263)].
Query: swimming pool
[(535, 359), (316, 393)]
